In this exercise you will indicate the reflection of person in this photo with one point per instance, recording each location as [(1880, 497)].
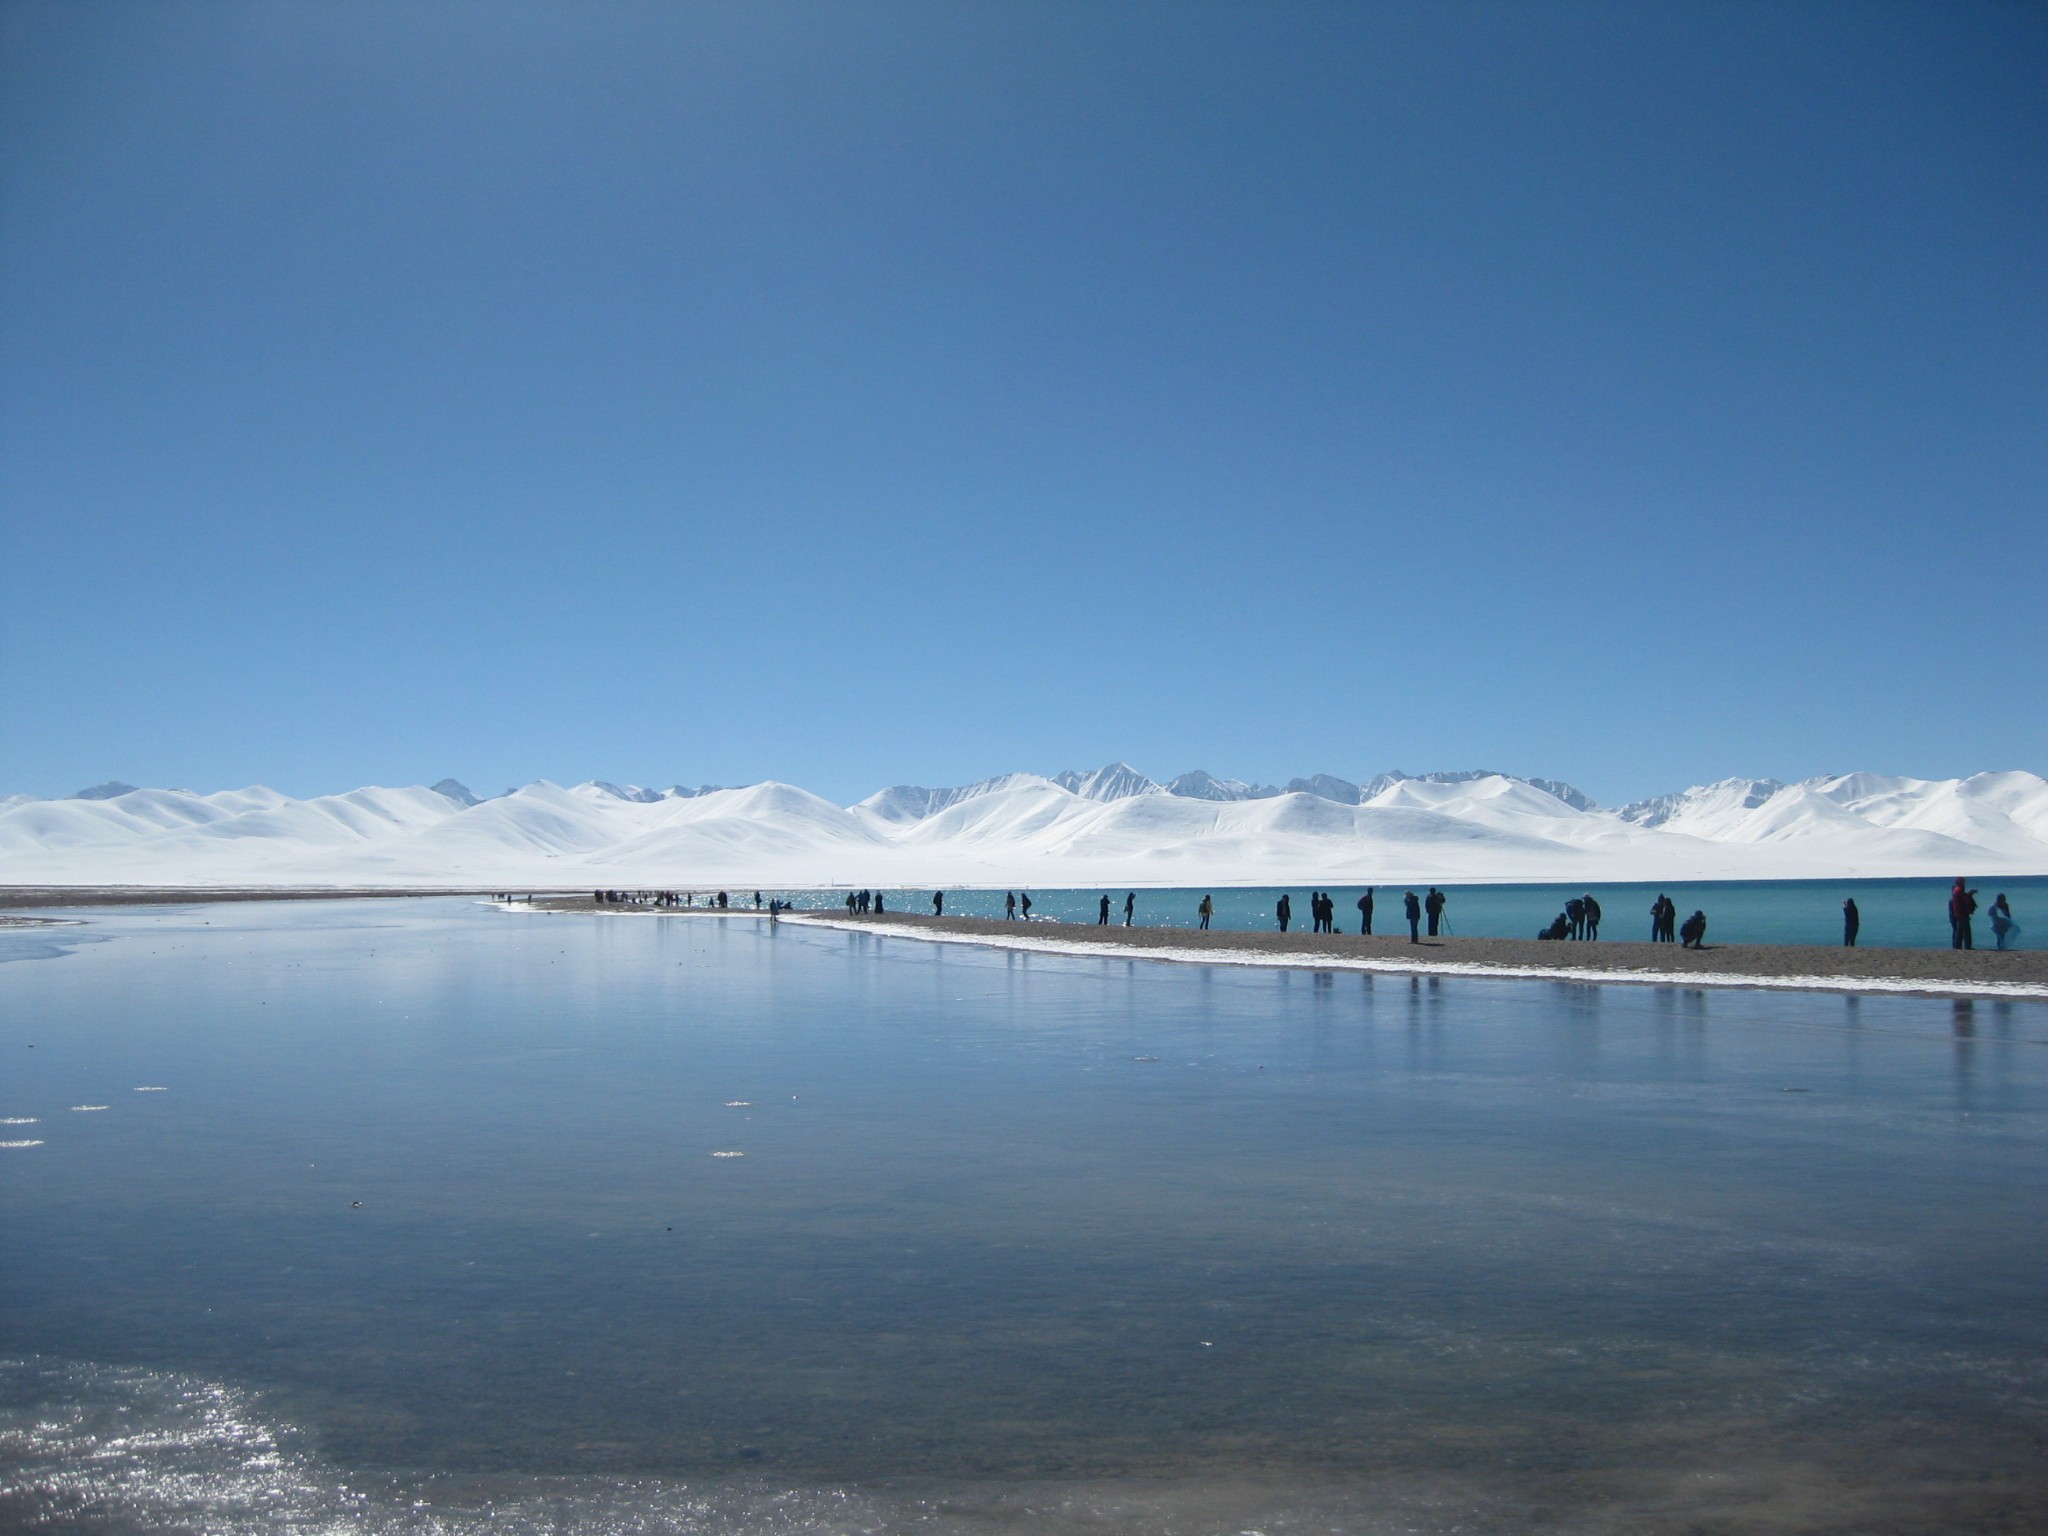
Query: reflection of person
[(1693, 932), (2002, 925), (1851, 921), (1206, 910)]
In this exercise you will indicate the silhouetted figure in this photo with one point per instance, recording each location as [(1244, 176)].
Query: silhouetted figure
[(757, 901), (878, 903), (852, 901), (1852, 920), (1592, 914), (1283, 910), (938, 903), (722, 903), (1102, 912), (1412, 907), (1962, 906), (1692, 935), (1205, 911), (1025, 903), (1365, 912), (1560, 928), (1433, 904), (1010, 906), (1130, 906), (1575, 914), (2002, 925)]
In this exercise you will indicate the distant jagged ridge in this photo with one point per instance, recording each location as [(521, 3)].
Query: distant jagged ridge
[(1120, 781), (1113, 822)]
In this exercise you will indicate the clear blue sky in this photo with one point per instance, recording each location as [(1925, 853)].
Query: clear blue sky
[(860, 393)]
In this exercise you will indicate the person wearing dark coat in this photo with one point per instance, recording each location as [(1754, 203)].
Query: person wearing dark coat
[(1852, 920), (1206, 911), (2002, 925), (1009, 906), (1102, 912), (1962, 906), (1412, 908), (938, 903), (1433, 904), (1693, 934), (1592, 913), (1024, 904), (1130, 906), (1575, 914), (1283, 909), (1365, 913), (878, 901)]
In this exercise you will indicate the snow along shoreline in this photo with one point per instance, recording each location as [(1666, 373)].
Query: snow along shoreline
[(1924, 986)]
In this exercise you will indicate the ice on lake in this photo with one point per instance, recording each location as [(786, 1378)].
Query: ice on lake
[(428, 1240)]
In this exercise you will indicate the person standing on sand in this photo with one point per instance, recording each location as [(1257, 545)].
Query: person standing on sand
[(1433, 904), (1009, 906), (1413, 909), (1575, 915), (1205, 911), (1102, 912), (1852, 920), (1592, 909), (2002, 925), (878, 902), (1283, 910), (1026, 904), (1365, 913), (938, 903), (1130, 906), (1962, 906)]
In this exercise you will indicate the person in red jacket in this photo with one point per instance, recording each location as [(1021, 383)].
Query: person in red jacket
[(1962, 906)]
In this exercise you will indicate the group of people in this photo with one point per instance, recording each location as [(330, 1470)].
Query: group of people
[(653, 899), (1130, 910), (1580, 919), (1962, 907)]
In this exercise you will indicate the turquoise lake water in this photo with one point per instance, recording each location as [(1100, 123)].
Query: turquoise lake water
[(423, 1227), (1910, 914)]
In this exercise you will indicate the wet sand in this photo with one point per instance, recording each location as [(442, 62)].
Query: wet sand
[(1939, 972)]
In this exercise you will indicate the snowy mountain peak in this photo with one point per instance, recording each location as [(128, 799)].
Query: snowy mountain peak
[(113, 789), (1557, 789), (455, 790), (1197, 785), (1117, 781), (1727, 795), (1326, 786)]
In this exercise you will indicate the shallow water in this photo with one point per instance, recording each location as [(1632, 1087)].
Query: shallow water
[(427, 1230), (1907, 914)]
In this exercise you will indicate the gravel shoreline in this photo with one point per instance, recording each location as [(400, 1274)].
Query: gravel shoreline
[(1936, 972)]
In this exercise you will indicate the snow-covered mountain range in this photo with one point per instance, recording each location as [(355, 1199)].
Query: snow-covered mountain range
[(1113, 825)]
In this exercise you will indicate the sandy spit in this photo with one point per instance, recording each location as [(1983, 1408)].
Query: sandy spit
[(1795, 967)]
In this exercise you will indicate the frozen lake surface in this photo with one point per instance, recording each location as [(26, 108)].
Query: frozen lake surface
[(414, 1218)]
